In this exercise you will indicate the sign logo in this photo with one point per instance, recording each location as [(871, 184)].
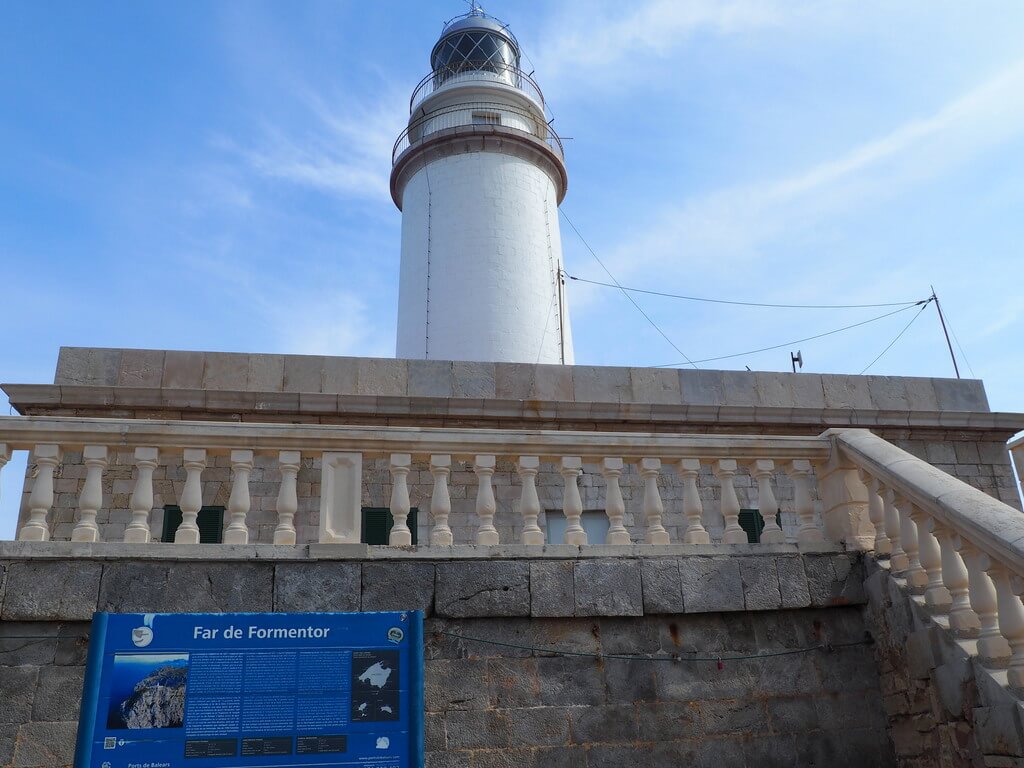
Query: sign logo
[(395, 635), (383, 742), (142, 636)]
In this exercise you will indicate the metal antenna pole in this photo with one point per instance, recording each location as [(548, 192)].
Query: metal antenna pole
[(561, 316), (942, 320)]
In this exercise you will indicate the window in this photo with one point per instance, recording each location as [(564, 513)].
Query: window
[(210, 522), (594, 522), (486, 118), (751, 522), (378, 522)]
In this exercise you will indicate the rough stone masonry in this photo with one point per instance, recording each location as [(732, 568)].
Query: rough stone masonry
[(492, 705)]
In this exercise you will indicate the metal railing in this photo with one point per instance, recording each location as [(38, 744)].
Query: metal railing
[(513, 119), (502, 74)]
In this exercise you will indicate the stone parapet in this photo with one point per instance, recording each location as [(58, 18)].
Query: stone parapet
[(374, 377)]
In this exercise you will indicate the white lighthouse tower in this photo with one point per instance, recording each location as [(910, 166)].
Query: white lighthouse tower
[(478, 176)]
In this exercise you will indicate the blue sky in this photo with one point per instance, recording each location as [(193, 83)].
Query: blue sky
[(213, 175)]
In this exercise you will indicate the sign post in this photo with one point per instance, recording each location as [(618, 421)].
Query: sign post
[(223, 690)]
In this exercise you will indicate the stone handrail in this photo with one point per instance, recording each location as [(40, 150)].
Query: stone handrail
[(341, 451), (950, 542), (25, 432)]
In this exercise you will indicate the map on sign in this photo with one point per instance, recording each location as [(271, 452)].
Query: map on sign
[(238, 690)]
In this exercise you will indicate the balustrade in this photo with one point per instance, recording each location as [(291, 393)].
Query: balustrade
[(617, 460), (960, 549)]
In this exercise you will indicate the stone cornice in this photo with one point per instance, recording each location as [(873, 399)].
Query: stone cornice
[(141, 402)]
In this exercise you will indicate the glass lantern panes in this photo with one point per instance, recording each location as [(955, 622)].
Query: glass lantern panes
[(475, 51)]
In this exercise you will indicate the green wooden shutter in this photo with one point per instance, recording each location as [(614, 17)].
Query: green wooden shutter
[(378, 522), (751, 522), (210, 522)]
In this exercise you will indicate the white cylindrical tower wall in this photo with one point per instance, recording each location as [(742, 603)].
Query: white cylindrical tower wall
[(481, 255)]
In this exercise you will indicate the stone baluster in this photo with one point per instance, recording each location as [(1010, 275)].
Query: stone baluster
[(876, 513), (46, 457), (1011, 622), (400, 535), (800, 470), (898, 562), (440, 501), (141, 501), (768, 507), (725, 471), (191, 496), (615, 507), (486, 506), (287, 496), (572, 504), (936, 597), (962, 620), (992, 646), (91, 499), (529, 503), (239, 501), (693, 509), (917, 578), (654, 509)]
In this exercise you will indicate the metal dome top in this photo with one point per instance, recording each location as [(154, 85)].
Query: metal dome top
[(478, 20)]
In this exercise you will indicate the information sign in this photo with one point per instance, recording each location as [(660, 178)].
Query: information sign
[(233, 690)]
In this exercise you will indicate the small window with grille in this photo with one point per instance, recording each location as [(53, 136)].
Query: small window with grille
[(486, 118), (210, 522)]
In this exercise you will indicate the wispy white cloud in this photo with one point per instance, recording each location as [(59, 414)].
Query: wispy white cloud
[(601, 35), (299, 317), (723, 230), (345, 153)]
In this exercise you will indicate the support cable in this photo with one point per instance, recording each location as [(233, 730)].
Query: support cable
[(743, 303), (624, 292), (799, 341), (898, 337)]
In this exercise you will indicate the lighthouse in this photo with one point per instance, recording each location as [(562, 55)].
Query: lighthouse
[(478, 175)]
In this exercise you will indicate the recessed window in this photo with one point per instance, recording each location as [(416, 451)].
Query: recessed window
[(210, 522), (378, 522), (486, 118), (751, 522), (594, 522)]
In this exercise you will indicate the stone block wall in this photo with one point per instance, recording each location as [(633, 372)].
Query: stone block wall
[(787, 702), (943, 708)]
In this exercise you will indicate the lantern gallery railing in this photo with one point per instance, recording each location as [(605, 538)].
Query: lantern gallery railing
[(479, 115), (472, 73)]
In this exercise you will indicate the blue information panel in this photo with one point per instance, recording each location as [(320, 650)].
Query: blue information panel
[(220, 690)]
